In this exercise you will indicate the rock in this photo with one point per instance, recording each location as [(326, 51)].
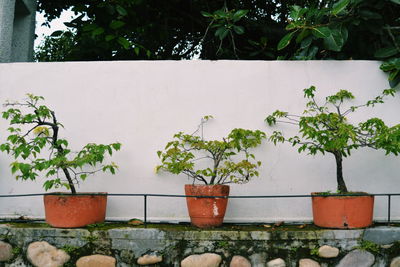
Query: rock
[(258, 260), (42, 254), (328, 252), (6, 253), (395, 262), (19, 262), (239, 261), (276, 263), (96, 261), (149, 259), (357, 258), (382, 235), (202, 260), (308, 263)]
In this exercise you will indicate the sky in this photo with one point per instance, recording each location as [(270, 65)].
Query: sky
[(55, 25)]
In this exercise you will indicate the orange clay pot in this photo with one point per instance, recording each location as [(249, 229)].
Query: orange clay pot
[(206, 212), (64, 210), (344, 212)]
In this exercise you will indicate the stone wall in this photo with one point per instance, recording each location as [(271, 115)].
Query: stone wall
[(166, 245)]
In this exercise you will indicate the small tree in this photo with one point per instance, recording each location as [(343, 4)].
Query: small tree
[(34, 128), (323, 130), (229, 159)]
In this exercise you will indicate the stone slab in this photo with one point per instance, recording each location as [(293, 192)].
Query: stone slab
[(382, 235)]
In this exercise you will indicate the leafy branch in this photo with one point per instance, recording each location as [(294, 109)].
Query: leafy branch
[(27, 147), (325, 128), (228, 160)]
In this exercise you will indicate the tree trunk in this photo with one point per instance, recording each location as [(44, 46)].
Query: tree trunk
[(341, 185), (60, 150)]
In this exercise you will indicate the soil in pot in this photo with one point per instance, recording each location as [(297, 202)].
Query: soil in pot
[(343, 212), (207, 212), (64, 210)]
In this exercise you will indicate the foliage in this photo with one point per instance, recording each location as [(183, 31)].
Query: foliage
[(346, 29), (228, 160), (56, 47), (224, 21), (35, 128), (158, 29), (249, 29), (325, 130)]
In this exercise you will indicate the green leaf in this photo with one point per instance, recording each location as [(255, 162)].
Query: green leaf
[(116, 24), (97, 31), (89, 27), (339, 6), (122, 11), (321, 32), (386, 52), (368, 14), (305, 33), (124, 42), (136, 50), (285, 41), (238, 29), (206, 14), (239, 14), (221, 33), (306, 42), (396, 1), (295, 12), (109, 37), (395, 81), (335, 41), (56, 33)]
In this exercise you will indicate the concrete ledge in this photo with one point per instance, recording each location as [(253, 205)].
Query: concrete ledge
[(128, 243)]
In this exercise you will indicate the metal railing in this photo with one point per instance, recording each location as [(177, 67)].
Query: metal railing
[(147, 196)]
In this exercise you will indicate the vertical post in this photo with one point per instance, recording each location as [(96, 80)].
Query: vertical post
[(145, 210), (389, 208)]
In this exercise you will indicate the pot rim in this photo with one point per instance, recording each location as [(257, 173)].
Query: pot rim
[(206, 185), (76, 194), (342, 195)]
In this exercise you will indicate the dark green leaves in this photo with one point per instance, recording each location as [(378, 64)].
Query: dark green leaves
[(392, 66), (339, 6), (321, 32), (386, 52), (124, 42), (285, 41), (224, 21), (116, 24)]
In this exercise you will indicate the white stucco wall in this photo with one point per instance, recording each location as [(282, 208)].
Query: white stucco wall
[(142, 104)]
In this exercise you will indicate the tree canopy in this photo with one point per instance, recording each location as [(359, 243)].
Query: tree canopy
[(246, 29)]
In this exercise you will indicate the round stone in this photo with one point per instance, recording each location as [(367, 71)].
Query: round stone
[(239, 261), (328, 252)]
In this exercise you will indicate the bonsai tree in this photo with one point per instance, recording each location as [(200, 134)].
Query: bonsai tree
[(326, 129), (221, 161), (33, 129)]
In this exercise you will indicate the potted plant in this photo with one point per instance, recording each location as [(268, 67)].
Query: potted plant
[(214, 163), (326, 129), (37, 148)]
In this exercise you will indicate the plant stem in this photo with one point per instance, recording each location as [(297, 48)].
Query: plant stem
[(341, 185), (60, 150)]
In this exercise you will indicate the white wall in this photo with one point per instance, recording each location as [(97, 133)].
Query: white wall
[(142, 104)]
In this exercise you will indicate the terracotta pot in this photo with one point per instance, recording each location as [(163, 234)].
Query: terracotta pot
[(344, 212), (206, 212), (65, 210)]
